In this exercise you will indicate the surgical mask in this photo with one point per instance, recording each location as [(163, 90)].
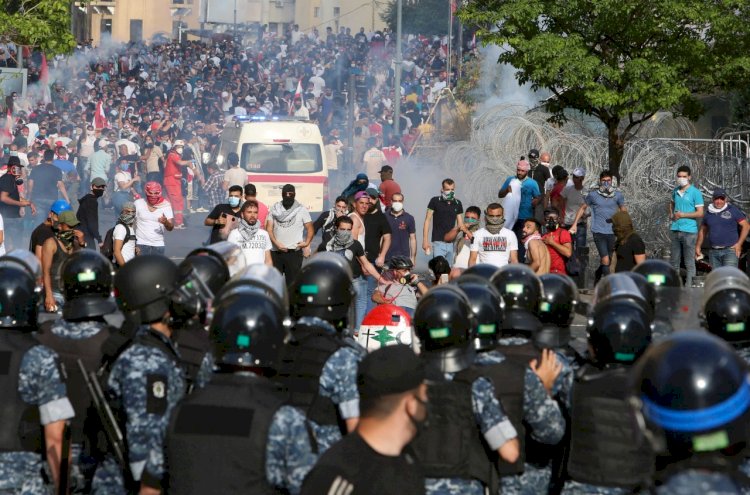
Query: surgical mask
[(468, 220), (127, 218), (397, 206), (234, 201), (343, 236), (420, 426), (125, 167), (682, 181), (448, 195)]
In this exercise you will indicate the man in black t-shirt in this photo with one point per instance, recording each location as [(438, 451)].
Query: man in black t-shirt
[(223, 214), (629, 246), (443, 212), (377, 239), (11, 204), (44, 231), (392, 402)]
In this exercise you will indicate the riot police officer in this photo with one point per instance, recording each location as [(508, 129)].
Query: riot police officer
[(146, 380), (691, 392), (556, 313), (519, 388), (83, 334), (239, 422), (726, 307), (667, 284), (319, 364), (35, 403), (463, 405), (607, 460)]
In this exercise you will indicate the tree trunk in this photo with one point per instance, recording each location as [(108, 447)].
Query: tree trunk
[(616, 148)]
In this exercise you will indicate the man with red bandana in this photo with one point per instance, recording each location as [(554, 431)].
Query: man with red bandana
[(153, 215), (173, 181)]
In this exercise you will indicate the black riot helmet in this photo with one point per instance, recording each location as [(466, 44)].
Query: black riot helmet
[(521, 290), (444, 323), (487, 308), (152, 285), (400, 263), (691, 394), (262, 278), (484, 270), (556, 311), (215, 263), (726, 304), (247, 331), (619, 331), (323, 289), (646, 289), (659, 273), (87, 285), (18, 298)]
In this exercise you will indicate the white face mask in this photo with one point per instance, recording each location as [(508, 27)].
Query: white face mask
[(682, 181), (397, 206)]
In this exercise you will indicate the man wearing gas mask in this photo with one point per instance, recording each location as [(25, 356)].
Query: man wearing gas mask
[(146, 380)]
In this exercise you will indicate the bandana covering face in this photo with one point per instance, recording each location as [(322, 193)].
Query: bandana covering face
[(153, 193)]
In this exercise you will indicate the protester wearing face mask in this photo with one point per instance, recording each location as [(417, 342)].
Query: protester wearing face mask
[(403, 230), (11, 204), (720, 226), (291, 230), (444, 212), (604, 202), (530, 193), (251, 237), (153, 215), (55, 251), (224, 217), (125, 179), (360, 184), (494, 244), (462, 244), (685, 211), (327, 220), (630, 249), (558, 240), (123, 236), (88, 213)]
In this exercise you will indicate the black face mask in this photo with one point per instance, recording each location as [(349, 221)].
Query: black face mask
[(421, 425), (98, 192), (287, 201), (551, 225)]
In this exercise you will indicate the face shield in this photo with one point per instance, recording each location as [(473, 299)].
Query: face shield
[(27, 261), (265, 279)]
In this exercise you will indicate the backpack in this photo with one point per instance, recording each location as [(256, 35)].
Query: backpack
[(107, 248)]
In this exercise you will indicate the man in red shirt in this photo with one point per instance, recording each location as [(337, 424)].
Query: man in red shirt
[(173, 181), (388, 187), (558, 241)]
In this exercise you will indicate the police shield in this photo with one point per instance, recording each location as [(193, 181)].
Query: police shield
[(228, 252), (386, 324), (26, 260), (618, 286), (265, 279)]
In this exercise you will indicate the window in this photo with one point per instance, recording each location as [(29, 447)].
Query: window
[(316, 12), (106, 27), (291, 158), (336, 11), (136, 30)]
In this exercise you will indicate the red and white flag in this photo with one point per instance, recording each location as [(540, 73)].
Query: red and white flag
[(297, 95), (100, 120)]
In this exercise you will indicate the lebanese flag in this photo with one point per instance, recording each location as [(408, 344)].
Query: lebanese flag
[(297, 94), (44, 81), (100, 120)]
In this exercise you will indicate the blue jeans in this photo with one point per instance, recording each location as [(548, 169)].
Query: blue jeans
[(683, 249), (444, 249), (723, 257), (151, 249), (605, 246), (360, 300), (372, 285)]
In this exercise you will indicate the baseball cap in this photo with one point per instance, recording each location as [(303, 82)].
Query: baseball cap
[(98, 182), (393, 369), (14, 161), (68, 218), (60, 206), (719, 193), (373, 192), (579, 172), (361, 194), (533, 153), (386, 168)]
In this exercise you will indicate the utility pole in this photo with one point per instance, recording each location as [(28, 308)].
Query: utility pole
[(350, 131), (450, 36), (397, 75), (235, 20)]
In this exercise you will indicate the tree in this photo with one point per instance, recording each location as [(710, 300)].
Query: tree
[(426, 17), (43, 24), (620, 61)]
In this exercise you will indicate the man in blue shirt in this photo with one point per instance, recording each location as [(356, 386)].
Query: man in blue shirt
[(720, 224), (685, 210), (530, 197), (604, 202)]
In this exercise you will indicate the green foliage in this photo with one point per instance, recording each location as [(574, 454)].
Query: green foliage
[(426, 17), (44, 24), (620, 61)]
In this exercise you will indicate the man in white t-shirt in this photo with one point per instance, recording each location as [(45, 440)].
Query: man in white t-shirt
[(153, 215), (123, 236), (250, 237), (494, 244), (291, 230)]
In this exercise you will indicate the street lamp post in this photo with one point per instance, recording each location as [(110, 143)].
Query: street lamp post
[(397, 75)]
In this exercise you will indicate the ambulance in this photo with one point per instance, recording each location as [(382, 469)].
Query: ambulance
[(279, 151)]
